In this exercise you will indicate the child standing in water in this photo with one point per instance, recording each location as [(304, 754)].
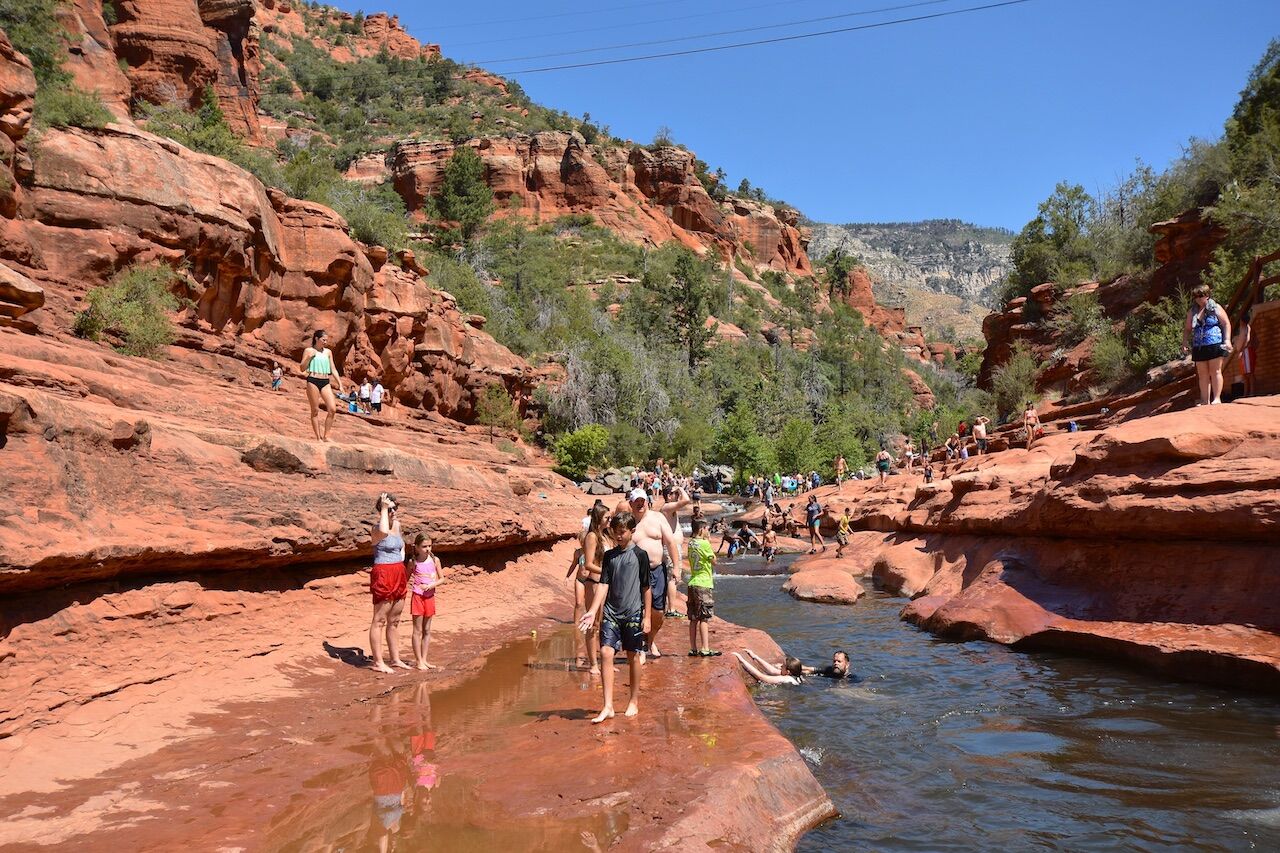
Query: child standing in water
[(625, 595), (702, 561), (424, 578)]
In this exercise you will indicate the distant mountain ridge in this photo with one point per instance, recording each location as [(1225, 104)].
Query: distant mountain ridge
[(944, 272)]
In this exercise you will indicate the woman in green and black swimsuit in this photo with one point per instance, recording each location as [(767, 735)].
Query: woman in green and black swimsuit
[(321, 371)]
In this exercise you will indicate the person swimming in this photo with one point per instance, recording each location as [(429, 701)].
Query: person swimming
[(792, 670)]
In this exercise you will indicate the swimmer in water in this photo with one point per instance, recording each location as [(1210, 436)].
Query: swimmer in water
[(792, 671)]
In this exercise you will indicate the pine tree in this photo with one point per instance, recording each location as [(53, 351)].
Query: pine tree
[(464, 196)]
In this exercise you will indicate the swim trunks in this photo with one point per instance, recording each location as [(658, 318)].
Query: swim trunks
[(658, 586), (701, 603), (623, 634)]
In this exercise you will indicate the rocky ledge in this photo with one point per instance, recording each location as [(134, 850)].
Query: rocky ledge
[(186, 609), (1152, 542)]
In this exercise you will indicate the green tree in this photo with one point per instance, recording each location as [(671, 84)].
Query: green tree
[(1014, 382), (688, 297), (496, 410), (1053, 246), (464, 197), (794, 447), (739, 444), (581, 449)]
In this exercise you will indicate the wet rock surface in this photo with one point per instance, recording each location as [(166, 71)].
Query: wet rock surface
[(1151, 541)]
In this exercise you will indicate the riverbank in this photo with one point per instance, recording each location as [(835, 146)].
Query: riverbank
[(1152, 542), (287, 743), (186, 615)]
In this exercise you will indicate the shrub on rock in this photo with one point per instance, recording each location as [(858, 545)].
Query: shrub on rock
[(133, 310)]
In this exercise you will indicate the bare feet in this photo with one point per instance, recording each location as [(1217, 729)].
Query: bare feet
[(632, 710), (606, 714), (401, 664), (382, 667), (595, 670), (653, 652), (424, 665)]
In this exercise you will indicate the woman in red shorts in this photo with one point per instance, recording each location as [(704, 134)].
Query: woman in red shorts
[(388, 581)]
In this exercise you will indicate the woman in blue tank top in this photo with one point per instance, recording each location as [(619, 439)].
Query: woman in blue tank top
[(1207, 336)]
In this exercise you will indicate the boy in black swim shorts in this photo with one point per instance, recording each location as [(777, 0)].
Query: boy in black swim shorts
[(625, 593)]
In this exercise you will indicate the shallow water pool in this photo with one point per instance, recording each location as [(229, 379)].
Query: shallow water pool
[(949, 746)]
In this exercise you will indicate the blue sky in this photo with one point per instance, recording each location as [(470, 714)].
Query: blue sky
[(974, 116)]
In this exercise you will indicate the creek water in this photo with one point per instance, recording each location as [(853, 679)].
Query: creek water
[(949, 746)]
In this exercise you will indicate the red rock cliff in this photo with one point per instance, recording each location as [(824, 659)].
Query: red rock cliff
[(645, 196)]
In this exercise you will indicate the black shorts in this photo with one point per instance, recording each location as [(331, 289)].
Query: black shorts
[(982, 444), (658, 586), (377, 407), (625, 634), (1208, 352)]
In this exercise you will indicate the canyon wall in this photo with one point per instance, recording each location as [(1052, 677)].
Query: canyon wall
[(650, 197), (1151, 542)]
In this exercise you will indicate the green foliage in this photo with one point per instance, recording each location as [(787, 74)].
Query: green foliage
[(32, 27), (1078, 317), (63, 105), (1014, 382), (838, 265), (132, 309), (738, 443), (684, 293), (464, 197), (970, 364), (1110, 359), (1153, 333), (206, 130), (496, 410), (794, 448), (581, 449)]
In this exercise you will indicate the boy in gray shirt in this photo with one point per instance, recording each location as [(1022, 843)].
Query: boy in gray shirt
[(627, 600)]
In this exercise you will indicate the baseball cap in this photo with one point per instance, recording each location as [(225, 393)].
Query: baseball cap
[(638, 495)]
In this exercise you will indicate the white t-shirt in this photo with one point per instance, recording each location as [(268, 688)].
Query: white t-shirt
[(365, 390), (375, 396)]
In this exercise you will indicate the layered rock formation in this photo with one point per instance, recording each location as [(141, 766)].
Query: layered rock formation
[(940, 272), (1183, 250), (645, 196), (1151, 542), (262, 270)]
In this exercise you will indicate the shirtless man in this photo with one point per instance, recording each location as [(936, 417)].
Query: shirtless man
[(841, 468), (980, 433), (652, 535), (675, 499)]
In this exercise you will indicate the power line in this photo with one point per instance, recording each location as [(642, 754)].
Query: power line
[(775, 40), (628, 24), (715, 34), (556, 15)]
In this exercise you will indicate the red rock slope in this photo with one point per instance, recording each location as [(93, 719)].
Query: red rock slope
[(1152, 542)]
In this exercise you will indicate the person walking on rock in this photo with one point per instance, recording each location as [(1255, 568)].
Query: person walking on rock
[(842, 468), (388, 583), (813, 521), (321, 372), (1208, 331), (625, 594), (883, 461), (277, 376), (1031, 423), (653, 536), (674, 499)]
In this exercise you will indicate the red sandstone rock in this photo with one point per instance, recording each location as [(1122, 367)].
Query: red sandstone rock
[(824, 585), (264, 270), (1150, 541), (645, 196)]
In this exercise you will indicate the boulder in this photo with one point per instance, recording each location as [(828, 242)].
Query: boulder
[(18, 294), (824, 586)]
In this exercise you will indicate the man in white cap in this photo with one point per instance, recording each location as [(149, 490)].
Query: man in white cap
[(652, 535)]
